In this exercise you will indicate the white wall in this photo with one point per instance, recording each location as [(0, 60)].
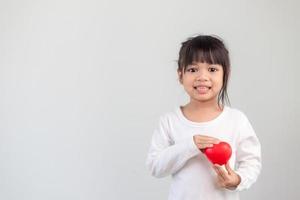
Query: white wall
[(82, 84)]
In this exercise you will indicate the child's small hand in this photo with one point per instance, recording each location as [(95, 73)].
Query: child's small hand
[(227, 179), (203, 141)]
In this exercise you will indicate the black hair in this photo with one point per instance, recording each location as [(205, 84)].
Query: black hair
[(206, 49)]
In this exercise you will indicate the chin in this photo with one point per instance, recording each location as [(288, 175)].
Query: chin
[(203, 98)]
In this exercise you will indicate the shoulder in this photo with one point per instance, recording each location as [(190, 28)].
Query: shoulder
[(237, 114), (244, 125), (170, 116)]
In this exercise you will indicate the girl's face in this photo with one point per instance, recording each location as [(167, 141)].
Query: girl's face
[(202, 81)]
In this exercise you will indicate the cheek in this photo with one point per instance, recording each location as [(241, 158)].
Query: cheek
[(218, 85), (219, 81), (188, 82)]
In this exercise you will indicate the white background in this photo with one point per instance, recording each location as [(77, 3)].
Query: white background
[(82, 84)]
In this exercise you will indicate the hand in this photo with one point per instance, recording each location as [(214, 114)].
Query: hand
[(203, 141), (227, 178)]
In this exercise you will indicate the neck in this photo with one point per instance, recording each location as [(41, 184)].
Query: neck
[(203, 106)]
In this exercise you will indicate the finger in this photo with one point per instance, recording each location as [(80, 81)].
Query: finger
[(222, 172), (219, 173), (216, 169), (203, 146), (228, 168), (209, 140), (206, 144), (216, 141), (220, 182), (206, 138)]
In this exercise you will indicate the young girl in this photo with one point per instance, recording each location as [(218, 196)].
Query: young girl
[(181, 135)]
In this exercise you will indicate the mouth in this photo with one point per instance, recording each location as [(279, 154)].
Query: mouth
[(202, 89)]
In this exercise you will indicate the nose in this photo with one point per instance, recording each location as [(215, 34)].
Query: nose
[(202, 76)]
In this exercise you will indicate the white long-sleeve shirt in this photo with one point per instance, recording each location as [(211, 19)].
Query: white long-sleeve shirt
[(173, 152)]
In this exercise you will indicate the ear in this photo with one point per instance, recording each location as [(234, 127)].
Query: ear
[(179, 76)]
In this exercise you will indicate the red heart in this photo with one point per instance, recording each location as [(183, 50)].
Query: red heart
[(219, 153)]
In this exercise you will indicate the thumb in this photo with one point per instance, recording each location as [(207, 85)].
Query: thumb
[(228, 168)]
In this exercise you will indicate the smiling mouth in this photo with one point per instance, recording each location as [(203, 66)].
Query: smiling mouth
[(201, 88)]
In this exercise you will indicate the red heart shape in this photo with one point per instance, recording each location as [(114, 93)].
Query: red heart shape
[(219, 153)]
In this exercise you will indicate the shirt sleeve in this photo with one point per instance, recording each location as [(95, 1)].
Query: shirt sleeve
[(166, 157), (248, 155)]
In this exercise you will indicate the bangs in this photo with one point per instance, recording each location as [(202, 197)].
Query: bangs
[(210, 56), (205, 56), (209, 51)]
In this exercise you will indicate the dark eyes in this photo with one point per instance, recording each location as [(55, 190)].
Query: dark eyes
[(211, 69), (191, 70)]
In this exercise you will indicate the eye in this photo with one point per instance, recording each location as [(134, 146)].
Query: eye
[(213, 69), (192, 69)]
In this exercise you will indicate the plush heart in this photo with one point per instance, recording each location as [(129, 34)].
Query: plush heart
[(219, 153)]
